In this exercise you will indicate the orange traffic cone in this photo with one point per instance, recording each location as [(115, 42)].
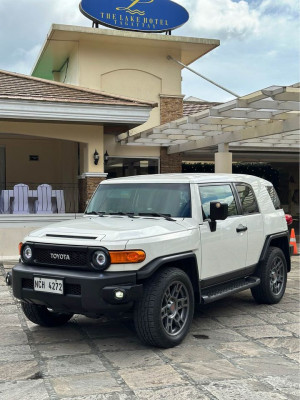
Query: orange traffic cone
[(293, 241)]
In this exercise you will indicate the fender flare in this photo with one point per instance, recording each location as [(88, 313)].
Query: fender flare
[(284, 237), (150, 268)]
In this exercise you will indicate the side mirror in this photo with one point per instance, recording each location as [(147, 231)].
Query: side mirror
[(218, 211)]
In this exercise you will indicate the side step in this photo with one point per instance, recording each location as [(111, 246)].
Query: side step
[(214, 293)]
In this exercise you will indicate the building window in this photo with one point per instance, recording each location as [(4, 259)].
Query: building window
[(117, 167)]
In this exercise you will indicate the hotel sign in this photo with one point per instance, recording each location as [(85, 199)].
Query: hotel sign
[(136, 15)]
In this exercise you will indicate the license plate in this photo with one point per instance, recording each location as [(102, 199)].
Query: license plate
[(48, 285)]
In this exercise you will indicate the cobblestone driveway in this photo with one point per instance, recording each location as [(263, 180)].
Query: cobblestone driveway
[(236, 350)]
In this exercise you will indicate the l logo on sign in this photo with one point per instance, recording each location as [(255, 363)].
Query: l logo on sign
[(130, 8)]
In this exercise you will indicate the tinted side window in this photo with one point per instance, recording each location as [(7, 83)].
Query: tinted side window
[(247, 197), (274, 197), (221, 193)]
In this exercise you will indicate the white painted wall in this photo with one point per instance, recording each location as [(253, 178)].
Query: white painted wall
[(13, 229)]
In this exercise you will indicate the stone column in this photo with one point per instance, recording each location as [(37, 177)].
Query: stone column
[(87, 184), (171, 108), (223, 159)]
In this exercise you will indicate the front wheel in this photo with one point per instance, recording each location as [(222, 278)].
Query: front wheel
[(163, 316), (42, 316), (273, 277)]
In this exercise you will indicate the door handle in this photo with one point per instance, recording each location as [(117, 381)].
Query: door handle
[(241, 228)]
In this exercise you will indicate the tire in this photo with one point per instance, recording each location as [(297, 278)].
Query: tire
[(273, 276), (163, 316), (42, 316)]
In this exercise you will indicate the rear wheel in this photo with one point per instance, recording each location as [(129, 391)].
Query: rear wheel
[(164, 315), (42, 316), (273, 277)]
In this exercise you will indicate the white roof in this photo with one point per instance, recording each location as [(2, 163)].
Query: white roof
[(187, 178), (264, 120)]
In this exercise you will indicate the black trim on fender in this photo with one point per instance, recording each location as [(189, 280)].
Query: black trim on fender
[(216, 280), (286, 250), (268, 241), (154, 265)]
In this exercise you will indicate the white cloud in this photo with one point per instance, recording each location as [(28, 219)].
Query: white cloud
[(22, 59), (225, 18), (259, 45), (24, 25), (278, 7)]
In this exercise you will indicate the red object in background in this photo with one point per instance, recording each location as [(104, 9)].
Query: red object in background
[(289, 219)]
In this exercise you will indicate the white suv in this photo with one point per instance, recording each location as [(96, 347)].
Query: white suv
[(157, 245)]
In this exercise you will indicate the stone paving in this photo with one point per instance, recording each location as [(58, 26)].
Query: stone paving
[(236, 349)]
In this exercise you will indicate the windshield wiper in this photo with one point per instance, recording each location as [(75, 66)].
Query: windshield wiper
[(165, 216), (99, 213), (131, 215)]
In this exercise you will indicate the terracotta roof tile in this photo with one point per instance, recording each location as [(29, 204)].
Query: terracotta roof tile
[(17, 86), (193, 107)]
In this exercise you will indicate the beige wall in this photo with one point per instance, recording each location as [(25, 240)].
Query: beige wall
[(91, 136), (70, 72), (96, 60), (135, 71), (57, 161)]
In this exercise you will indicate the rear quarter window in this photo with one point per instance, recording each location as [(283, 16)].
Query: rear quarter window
[(274, 197), (247, 198)]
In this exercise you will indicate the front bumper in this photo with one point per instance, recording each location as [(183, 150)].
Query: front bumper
[(86, 292)]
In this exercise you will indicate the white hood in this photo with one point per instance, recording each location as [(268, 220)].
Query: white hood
[(108, 228)]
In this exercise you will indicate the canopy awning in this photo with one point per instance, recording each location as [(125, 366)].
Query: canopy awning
[(264, 120)]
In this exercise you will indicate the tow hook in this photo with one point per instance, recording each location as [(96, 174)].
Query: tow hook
[(8, 279)]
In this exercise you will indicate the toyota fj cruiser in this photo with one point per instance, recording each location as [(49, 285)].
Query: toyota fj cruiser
[(157, 245)]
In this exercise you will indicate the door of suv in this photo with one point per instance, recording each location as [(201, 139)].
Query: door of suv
[(223, 252), (253, 221)]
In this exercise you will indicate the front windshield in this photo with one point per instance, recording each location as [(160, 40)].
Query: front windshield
[(170, 199)]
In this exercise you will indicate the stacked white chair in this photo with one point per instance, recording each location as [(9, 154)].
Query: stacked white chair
[(43, 204), (20, 199)]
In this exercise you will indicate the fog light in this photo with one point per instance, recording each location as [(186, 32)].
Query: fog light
[(119, 294)]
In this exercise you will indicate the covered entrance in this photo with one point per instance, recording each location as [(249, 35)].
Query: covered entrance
[(53, 133), (52, 150)]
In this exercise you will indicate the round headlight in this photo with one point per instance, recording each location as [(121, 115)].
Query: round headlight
[(27, 253), (100, 259)]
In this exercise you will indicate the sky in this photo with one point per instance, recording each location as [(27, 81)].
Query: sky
[(259, 41)]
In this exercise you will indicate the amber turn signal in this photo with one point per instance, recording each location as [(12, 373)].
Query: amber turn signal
[(127, 256), (20, 247)]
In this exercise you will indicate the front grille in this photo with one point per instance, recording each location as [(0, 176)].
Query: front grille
[(27, 283), (60, 258), (70, 288)]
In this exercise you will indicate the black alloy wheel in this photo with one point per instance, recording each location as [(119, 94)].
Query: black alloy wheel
[(164, 314), (273, 277), (277, 278), (175, 308)]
